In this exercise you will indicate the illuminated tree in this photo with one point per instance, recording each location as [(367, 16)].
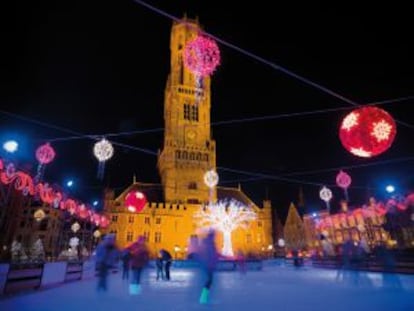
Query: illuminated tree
[(225, 216), (294, 231)]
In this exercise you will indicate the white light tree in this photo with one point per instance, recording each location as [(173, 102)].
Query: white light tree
[(225, 216)]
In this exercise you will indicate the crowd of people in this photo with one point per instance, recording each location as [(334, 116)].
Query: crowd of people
[(136, 256)]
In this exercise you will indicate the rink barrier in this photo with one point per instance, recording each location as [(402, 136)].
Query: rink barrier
[(22, 277), (372, 264)]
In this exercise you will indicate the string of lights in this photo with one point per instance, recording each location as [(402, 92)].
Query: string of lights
[(232, 121), (254, 175), (266, 62)]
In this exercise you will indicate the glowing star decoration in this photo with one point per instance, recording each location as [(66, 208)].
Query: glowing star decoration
[(135, 201), (281, 243), (326, 195), (225, 216), (350, 121), (103, 151), (44, 155), (201, 56), (367, 131), (343, 180)]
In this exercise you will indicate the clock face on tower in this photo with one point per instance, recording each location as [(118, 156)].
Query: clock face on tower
[(191, 134)]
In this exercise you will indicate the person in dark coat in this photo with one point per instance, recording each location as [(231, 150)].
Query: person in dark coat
[(125, 258), (167, 261), (139, 258)]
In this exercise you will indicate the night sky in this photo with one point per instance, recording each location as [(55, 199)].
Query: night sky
[(98, 67)]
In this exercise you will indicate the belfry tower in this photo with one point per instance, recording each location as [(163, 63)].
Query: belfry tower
[(189, 150)]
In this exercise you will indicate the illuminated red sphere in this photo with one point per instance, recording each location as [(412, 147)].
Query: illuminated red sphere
[(367, 131), (202, 56), (135, 201), (45, 154)]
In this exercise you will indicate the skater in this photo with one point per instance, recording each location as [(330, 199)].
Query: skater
[(139, 258), (106, 257), (160, 268), (208, 257), (166, 261), (125, 258)]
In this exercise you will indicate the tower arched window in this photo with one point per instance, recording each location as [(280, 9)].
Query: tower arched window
[(198, 157), (192, 156), (177, 154), (192, 186), (185, 155)]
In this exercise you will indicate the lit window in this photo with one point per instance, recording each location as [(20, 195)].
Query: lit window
[(129, 236), (157, 237), (114, 218), (158, 220), (131, 219)]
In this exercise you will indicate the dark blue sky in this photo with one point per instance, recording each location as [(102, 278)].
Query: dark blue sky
[(101, 66)]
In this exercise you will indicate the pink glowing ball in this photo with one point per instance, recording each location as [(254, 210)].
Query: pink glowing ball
[(45, 154), (135, 201), (201, 56)]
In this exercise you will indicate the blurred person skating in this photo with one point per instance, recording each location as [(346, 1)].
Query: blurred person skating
[(208, 257), (125, 258), (159, 267), (106, 257), (139, 258), (167, 261)]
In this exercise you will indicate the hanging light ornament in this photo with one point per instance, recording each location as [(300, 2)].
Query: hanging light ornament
[(96, 234), (39, 215), (135, 201), (367, 131), (44, 155), (326, 195), (201, 57), (103, 151), (343, 180), (75, 227), (211, 179)]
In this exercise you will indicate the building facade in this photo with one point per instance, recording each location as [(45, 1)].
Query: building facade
[(188, 152)]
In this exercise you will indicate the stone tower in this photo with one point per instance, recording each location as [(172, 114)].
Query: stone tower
[(188, 150)]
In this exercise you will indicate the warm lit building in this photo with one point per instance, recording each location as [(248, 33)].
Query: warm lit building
[(361, 224), (188, 152)]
